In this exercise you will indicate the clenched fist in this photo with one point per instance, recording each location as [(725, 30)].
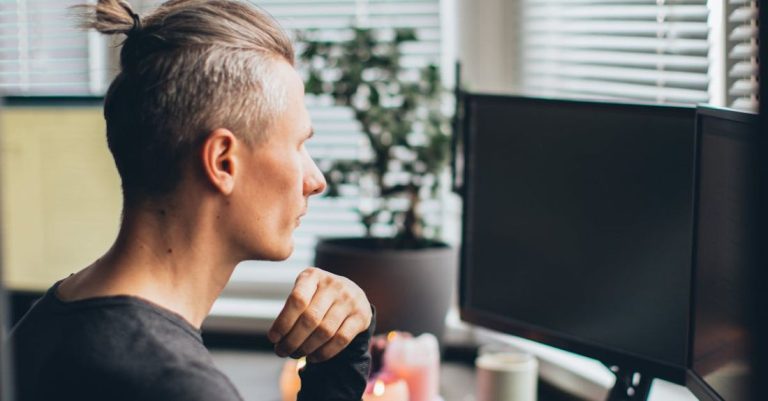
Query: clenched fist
[(321, 316)]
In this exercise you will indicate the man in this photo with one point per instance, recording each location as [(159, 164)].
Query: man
[(207, 126)]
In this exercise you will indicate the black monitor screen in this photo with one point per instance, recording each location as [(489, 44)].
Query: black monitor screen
[(578, 226), (725, 250)]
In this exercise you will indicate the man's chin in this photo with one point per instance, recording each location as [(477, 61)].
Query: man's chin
[(274, 255)]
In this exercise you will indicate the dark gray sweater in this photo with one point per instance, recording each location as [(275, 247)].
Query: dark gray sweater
[(125, 348)]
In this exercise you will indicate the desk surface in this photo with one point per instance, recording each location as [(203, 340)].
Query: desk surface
[(255, 374)]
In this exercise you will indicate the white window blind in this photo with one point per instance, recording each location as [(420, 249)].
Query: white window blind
[(42, 52), (741, 29), (644, 50)]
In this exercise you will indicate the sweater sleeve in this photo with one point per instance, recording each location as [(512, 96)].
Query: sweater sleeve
[(343, 377)]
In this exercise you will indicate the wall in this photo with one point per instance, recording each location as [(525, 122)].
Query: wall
[(487, 40)]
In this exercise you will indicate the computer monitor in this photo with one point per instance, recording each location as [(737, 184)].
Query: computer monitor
[(725, 254), (578, 227)]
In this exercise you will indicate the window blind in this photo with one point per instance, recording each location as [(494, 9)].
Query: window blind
[(641, 50), (42, 52), (742, 54)]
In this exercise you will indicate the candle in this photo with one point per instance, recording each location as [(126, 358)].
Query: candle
[(290, 382), (506, 376), (381, 390), (417, 361), (378, 346)]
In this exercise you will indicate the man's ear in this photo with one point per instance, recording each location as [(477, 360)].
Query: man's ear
[(219, 159)]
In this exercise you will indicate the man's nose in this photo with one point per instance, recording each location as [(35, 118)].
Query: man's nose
[(315, 182)]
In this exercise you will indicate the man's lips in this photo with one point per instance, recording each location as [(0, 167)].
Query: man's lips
[(298, 219)]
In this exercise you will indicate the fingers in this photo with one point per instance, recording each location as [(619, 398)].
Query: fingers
[(321, 317), (307, 323), (346, 333), (326, 330), (302, 294)]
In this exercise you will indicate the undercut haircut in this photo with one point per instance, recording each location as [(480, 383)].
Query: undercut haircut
[(186, 69)]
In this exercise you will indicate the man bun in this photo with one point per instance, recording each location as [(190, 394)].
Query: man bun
[(187, 67), (110, 17)]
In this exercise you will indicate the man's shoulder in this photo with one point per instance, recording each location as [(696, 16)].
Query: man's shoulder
[(110, 346), (136, 336), (190, 382), (117, 324)]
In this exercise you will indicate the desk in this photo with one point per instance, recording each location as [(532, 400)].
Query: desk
[(255, 374), (457, 383)]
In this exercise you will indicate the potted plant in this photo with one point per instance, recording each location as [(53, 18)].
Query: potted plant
[(407, 273)]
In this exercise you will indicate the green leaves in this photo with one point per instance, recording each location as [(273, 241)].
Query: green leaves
[(405, 35), (400, 113)]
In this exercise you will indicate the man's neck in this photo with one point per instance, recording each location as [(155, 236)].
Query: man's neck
[(168, 257)]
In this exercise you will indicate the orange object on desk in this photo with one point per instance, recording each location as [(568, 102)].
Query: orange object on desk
[(290, 382)]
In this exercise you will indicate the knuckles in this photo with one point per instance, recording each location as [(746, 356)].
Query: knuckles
[(341, 340), (332, 347), (344, 296), (344, 290), (311, 319), (310, 272), (330, 281), (325, 332), (298, 300)]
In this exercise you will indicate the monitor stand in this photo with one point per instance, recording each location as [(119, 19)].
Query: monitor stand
[(630, 385)]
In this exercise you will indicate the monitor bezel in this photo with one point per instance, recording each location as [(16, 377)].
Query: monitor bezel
[(693, 381), (700, 388), (607, 355)]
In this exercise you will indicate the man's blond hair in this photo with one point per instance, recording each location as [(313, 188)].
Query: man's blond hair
[(187, 68)]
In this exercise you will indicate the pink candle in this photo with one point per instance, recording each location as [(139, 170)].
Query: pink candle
[(417, 361), (381, 390)]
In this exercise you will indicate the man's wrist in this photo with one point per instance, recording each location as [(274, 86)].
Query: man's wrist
[(343, 377)]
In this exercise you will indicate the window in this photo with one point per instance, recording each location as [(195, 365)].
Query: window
[(657, 51), (42, 52), (645, 50), (741, 32)]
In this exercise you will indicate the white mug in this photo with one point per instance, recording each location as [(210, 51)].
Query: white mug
[(507, 376)]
